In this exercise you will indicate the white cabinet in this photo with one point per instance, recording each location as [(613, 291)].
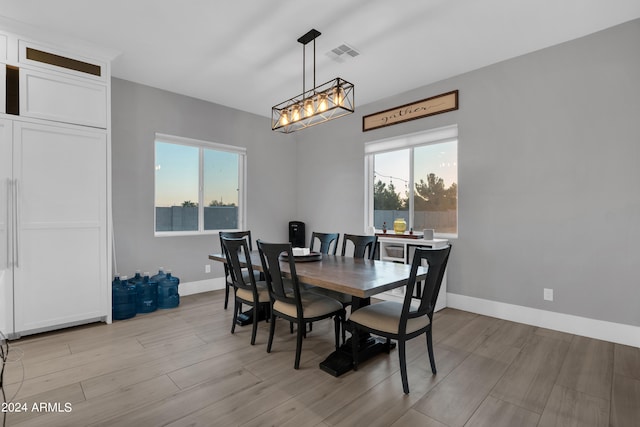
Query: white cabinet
[(400, 249), (3, 47), (55, 204), (56, 251), (60, 243), (51, 96), (6, 226)]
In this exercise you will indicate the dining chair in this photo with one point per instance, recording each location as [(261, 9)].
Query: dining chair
[(289, 302), (246, 289), (228, 282), (363, 246), (404, 321), (326, 240)]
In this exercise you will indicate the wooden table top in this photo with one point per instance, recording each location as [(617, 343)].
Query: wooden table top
[(360, 278)]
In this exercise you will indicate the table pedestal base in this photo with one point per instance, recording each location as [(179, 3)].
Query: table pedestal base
[(246, 318), (341, 361)]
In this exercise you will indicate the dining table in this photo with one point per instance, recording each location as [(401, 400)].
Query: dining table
[(358, 277)]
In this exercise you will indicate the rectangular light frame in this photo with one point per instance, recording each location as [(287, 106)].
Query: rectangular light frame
[(323, 103)]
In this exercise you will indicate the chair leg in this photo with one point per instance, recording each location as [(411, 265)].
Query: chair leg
[(236, 309), (301, 329), (402, 354), (432, 359), (226, 294), (272, 330), (254, 329)]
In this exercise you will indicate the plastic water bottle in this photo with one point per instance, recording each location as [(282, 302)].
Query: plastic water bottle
[(168, 296), (123, 299), (137, 278), (147, 295), (160, 276)]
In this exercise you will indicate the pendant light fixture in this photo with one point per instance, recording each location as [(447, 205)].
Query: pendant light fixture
[(325, 102)]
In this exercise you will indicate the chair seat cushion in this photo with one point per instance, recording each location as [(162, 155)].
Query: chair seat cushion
[(385, 317), (313, 305), (245, 276), (247, 295)]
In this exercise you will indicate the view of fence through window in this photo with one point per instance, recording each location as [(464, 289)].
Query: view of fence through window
[(181, 205), (418, 184)]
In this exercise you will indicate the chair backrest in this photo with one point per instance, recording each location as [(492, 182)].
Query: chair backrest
[(437, 261), (326, 239), (270, 258), (237, 251), (361, 245), (237, 235), (234, 235)]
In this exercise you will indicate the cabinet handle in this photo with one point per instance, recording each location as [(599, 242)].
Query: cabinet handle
[(9, 220), (16, 230)]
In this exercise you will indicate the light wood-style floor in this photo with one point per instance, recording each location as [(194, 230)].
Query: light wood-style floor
[(182, 367)]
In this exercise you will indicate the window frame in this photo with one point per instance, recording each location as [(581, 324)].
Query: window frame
[(203, 145), (408, 141)]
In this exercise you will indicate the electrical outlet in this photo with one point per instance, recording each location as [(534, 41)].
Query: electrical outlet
[(207, 268), (548, 294)]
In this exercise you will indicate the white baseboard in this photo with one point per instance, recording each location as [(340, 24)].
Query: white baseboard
[(592, 328), (191, 288)]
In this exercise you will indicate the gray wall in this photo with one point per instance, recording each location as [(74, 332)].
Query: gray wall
[(138, 112), (548, 150), (549, 145)]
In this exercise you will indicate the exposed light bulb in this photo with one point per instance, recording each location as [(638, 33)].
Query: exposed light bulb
[(338, 96), (308, 107), (323, 103), (295, 113), (284, 118)]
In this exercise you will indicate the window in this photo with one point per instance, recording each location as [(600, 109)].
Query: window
[(199, 186), (414, 177)]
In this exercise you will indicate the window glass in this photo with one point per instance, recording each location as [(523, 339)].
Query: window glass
[(414, 177), (220, 190), (198, 186), (435, 195), (391, 188), (176, 187)]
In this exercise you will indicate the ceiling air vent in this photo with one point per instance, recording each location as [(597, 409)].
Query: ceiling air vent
[(342, 52)]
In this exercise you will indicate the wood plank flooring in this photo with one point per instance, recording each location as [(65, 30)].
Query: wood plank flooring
[(183, 367)]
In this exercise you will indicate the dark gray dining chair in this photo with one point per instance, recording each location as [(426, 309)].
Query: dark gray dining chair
[(402, 321), (326, 241), (246, 289), (289, 301), (363, 246), (228, 282)]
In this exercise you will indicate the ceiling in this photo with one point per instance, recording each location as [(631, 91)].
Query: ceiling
[(245, 54)]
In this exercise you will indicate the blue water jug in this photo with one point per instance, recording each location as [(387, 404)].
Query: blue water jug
[(147, 295), (137, 278), (168, 296), (160, 276), (123, 299)]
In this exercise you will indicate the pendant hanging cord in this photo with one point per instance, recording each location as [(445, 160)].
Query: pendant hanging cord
[(304, 49)]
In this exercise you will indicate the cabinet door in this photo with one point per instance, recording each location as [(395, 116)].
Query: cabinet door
[(51, 96), (6, 220), (60, 275)]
